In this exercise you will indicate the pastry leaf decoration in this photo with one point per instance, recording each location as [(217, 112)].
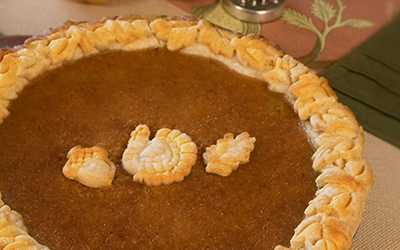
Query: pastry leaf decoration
[(331, 16)]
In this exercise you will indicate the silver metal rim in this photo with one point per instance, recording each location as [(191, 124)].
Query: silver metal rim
[(250, 15)]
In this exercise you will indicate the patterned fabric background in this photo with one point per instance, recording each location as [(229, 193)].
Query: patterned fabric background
[(316, 32)]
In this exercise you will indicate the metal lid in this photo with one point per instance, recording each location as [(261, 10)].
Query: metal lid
[(254, 10)]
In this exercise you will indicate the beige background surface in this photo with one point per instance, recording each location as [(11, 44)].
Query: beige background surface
[(29, 17), (381, 226)]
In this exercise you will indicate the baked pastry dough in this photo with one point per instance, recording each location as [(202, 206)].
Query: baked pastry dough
[(228, 153), (165, 159), (13, 233), (345, 177), (90, 166)]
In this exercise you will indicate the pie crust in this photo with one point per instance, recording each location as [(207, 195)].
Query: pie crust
[(90, 166), (345, 178), (228, 153), (165, 159)]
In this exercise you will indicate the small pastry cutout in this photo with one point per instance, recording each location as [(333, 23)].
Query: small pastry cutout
[(226, 156), (89, 166), (167, 158)]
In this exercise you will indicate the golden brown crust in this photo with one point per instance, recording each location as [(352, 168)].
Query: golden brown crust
[(90, 166), (165, 159), (228, 153), (13, 233), (345, 178)]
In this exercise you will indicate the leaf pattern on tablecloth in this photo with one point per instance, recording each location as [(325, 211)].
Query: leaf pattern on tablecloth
[(323, 10), (332, 19)]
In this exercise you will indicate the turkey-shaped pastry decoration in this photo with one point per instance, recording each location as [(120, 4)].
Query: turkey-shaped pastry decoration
[(89, 166), (165, 159), (228, 153)]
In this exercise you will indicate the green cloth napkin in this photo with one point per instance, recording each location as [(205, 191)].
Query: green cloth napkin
[(367, 80)]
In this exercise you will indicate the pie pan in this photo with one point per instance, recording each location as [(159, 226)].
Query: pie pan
[(344, 179)]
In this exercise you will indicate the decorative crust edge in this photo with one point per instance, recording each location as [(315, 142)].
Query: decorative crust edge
[(345, 178)]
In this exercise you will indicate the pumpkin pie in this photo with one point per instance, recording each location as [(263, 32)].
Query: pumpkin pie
[(149, 121)]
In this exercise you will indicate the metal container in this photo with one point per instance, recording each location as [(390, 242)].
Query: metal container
[(254, 10)]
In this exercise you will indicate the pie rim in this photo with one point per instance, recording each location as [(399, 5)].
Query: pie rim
[(345, 178)]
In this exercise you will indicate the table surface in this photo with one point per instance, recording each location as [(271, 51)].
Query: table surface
[(380, 228)]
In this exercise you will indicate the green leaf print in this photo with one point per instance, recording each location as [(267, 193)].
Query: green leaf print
[(323, 10), (332, 18), (358, 23), (297, 18)]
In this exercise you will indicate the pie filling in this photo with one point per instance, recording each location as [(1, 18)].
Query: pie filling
[(99, 100)]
